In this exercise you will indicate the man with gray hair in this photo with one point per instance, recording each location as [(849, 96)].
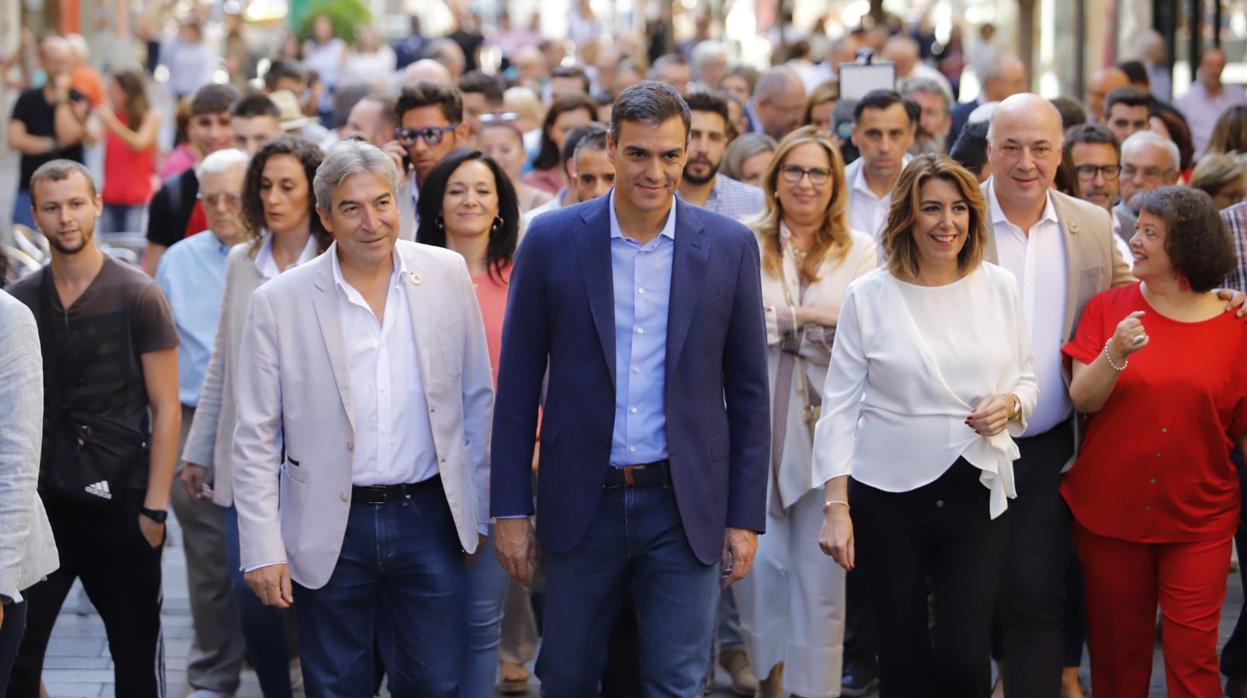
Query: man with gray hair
[(1149, 161), (1000, 78), (935, 120), (710, 63), (376, 445), (778, 102), (192, 275)]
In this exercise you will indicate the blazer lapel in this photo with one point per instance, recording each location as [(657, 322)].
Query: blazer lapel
[(593, 247), (416, 288), (688, 270), (1070, 232), (325, 304)]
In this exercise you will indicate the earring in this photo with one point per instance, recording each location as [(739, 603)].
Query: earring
[(497, 224), (440, 226)]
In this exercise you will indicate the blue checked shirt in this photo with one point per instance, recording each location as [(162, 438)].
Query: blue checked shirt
[(1235, 218), (642, 283), (734, 199)]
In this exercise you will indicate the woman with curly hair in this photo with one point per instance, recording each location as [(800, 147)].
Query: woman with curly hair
[(1157, 367), (282, 232)]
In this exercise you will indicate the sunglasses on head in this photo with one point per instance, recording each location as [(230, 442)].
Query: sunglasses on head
[(499, 118), (432, 135)]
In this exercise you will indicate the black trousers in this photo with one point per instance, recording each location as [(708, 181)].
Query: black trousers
[(120, 573), (1234, 654), (938, 538), (861, 638), (10, 639), (1032, 604)]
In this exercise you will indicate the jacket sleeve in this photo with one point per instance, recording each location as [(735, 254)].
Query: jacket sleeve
[(478, 395), (842, 394), (746, 390)]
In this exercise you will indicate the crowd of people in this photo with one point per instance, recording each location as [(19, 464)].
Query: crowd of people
[(661, 364)]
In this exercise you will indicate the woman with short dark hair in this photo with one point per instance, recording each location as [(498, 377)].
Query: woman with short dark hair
[(1158, 368), (931, 377)]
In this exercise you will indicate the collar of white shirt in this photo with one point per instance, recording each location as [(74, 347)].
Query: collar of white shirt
[(998, 214), (400, 270), (859, 179), (264, 258), (668, 228)]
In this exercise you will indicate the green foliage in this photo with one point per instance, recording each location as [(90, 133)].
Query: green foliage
[(346, 15)]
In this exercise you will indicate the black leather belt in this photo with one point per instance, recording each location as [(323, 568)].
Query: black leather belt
[(380, 494), (656, 474)]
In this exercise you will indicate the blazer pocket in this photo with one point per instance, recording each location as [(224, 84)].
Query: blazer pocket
[(450, 346), (294, 471)]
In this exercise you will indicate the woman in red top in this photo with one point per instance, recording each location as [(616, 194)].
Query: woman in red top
[(1158, 367), (130, 126)]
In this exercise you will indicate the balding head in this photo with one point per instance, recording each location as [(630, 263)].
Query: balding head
[(1211, 63), (779, 100), (427, 70), (1104, 81), (1024, 147), (449, 54), (1003, 78), (903, 51)]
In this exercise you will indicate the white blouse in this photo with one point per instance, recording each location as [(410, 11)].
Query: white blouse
[(908, 366)]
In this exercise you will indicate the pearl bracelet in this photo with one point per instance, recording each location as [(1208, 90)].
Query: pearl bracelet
[(1109, 357)]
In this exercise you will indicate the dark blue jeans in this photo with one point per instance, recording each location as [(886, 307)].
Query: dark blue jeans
[(399, 587), (263, 627), (634, 548)]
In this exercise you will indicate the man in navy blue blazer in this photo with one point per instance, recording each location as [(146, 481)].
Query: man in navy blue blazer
[(654, 437)]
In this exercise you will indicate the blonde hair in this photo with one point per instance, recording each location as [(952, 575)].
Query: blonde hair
[(898, 240), (1215, 171), (832, 236)]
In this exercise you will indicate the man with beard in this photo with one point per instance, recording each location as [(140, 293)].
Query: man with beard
[(935, 121), (702, 185), (1093, 156), (109, 360)]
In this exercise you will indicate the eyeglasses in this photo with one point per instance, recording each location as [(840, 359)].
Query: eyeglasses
[(794, 173), (213, 200), (1149, 173), (1087, 173), (499, 118), (432, 135)]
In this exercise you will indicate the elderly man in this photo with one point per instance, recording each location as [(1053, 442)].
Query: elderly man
[(673, 70), (377, 445), (1208, 98), (192, 275), (1102, 82), (1001, 78), (1148, 161), (426, 70), (710, 63), (935, 122), (1034, 231), (778, 102)]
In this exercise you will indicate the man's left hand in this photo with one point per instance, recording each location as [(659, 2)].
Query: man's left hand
[(739, 547)]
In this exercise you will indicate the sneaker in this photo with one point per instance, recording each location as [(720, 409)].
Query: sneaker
[(857, 680), (736, 663)]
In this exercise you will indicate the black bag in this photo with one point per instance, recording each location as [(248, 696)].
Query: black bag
[(91, 458)]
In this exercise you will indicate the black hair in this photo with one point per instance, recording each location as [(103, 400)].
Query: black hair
[(1072, 113), (1135, 72), (284, 68), (649, 102), (476, 82), (502, 239), (883, 100), (704, 101), (213, 99), (1129, 97), (255, 104), (430, 94), (548, 156), (971, 147), (572, 71)]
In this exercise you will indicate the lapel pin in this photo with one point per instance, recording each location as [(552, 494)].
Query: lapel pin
[(1073, 228), (416, 278)]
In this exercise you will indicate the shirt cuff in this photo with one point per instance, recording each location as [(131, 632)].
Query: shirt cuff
[(513, 516), (267, 564)]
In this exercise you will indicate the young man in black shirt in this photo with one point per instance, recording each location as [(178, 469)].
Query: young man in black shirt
[(48, 122), (109, 350), (172, 214)]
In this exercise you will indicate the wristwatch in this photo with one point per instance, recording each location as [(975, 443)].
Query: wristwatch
[(157, 515), (1015, 409)]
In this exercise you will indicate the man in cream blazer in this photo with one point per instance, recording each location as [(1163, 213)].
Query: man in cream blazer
[(364, 404)]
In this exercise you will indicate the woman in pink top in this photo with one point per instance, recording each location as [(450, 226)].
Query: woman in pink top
[(468, 204), (130, 128)]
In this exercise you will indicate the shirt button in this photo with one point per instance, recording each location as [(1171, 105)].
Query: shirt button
[(939, 504), (1153, 481), (641, 291), (1158, 454), (632, 410), (350, 445), (632, 449), (640, 330), (345, 496), (1163, 430), (636, 369)]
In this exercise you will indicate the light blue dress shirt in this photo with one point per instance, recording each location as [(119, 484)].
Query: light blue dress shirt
[(192, 275), (642, 285)]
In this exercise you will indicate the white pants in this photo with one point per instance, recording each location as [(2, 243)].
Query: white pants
[(792, 603)]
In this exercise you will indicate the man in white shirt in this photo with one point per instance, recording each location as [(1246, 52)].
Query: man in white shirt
[(1036, 231), (377, 445), (883, 131)]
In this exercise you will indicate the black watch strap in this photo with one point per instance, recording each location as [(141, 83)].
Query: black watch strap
[(157, 515)]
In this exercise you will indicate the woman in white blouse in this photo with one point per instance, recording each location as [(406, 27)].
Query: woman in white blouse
[(930, 378), (792, 604)]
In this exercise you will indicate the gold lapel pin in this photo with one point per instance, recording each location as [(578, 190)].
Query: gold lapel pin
[(416, 278), (1073, 228)]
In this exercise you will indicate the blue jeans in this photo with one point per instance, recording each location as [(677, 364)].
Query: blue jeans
[(21, 210), (399, 587), (635, 548), (263, 627), (487, 591)]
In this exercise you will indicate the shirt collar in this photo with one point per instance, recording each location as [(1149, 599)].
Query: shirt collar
[(264, 258), (998, 214), (400, 269), (859, 179), (668, 228)]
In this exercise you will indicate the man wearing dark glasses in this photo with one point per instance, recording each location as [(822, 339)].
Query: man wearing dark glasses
[(430, 125)]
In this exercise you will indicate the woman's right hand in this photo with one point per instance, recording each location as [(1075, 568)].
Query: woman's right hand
[(836, 537), (1130, 336)]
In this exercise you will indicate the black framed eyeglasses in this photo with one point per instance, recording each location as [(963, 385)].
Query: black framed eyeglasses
[(794, 173), (432, 135), (1087, 173)]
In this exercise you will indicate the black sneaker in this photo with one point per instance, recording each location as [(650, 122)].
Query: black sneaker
[(857, 680)]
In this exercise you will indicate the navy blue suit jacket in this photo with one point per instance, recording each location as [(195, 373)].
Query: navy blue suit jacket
[(561, 313)]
